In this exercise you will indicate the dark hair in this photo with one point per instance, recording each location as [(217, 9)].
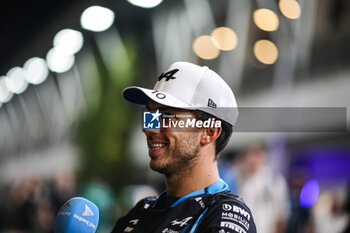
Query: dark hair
[(225, 135)]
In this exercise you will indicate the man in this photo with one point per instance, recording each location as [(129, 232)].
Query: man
[(195, 199), (264, 190)]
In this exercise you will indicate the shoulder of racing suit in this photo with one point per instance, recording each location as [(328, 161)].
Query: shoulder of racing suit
[(222, 212)]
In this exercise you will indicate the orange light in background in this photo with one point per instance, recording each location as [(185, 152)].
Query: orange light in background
[(5, 94), (145, 4), (224, 38), (266, 19), (36, 70), (15, 80), (69, 41), (290, 8), (97, 18), (266, 51), (59, 61), (204, 48)]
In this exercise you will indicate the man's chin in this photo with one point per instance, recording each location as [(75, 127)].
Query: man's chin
[(160, 169), (154, 166)]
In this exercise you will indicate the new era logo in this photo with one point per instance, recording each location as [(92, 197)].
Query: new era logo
[(211, 103), (151, 120)]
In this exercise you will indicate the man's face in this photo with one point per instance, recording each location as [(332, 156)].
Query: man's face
[(172, 151), (254, 158)]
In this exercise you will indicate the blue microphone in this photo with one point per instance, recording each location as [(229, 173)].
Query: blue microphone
[(77, 215)]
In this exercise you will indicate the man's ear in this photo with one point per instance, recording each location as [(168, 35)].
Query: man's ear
[(210, 135)]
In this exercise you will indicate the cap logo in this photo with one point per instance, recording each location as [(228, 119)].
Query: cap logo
[(211, 103), (168, 75)]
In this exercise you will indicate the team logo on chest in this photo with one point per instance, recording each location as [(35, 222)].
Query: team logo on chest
[(133, 222), (182, 223)]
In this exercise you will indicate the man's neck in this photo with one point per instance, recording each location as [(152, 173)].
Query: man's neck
[(198, 177)]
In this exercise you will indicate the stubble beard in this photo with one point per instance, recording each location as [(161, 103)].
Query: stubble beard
[(183, 157)]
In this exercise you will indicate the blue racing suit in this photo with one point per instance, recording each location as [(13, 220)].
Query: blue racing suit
[(208, 210)]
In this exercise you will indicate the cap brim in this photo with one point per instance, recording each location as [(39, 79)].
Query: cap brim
[(139, 95)]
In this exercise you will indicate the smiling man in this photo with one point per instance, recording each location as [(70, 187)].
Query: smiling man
[(191, 98)]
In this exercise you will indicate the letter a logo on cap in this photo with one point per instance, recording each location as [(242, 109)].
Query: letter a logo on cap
[(88, 211), (168, 75)]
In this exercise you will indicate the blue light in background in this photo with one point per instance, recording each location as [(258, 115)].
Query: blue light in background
[(328, 164), (309, 193)]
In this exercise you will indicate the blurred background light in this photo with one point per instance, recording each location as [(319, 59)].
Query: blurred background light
[(266, 19), (145, 4), (266, 51), (224, 38), (290, 8), (5, 94), (36, 70), (204, 48), (15, 80), (68, 41), (309, 193), (97, 18), (58, 61)]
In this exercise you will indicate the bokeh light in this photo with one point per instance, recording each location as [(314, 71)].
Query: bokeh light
[(145, 4), (5, 94), (97, 18), (204, 48), (290, 8), (68, 41), (266, 51), (58, 61), (266, 19), (36, 70), (309, 193), (15, 80), (224, 38)]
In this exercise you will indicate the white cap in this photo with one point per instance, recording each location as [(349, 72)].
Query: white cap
[(189, 86)]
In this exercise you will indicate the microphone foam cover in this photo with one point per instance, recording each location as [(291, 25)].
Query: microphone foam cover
[(77, 215)]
